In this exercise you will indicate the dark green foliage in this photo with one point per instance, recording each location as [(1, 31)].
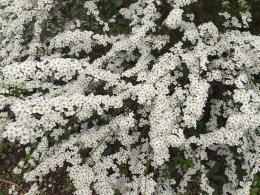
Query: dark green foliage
[(118, 3), (17, 92), (6, 147), (255, 190), (69, 185), (124, 170), (217, 177), (109, 9), (117, 192), (186, 164), (166, 173)]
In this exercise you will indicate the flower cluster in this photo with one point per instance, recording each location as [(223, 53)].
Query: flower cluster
[(155, 98)]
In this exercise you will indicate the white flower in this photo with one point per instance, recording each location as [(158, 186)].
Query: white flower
[(174, 18)]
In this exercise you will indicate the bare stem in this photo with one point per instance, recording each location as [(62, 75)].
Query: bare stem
[(10, 182)]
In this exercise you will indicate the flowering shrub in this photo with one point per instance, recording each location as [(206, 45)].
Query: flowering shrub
[(133, 97)]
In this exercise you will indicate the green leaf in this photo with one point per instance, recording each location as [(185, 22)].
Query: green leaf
[(219, 178), (125, 171), (3, 156), (7, 161), (186, 164), (117, 192), (2, 146), (34, 145), (69, 187), (166, 174), (28, 157), (215, 193), (118, 3), (255, 191), (214, 170)]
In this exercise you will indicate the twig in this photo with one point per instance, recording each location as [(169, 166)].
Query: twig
[(10, 182), (100, 142)]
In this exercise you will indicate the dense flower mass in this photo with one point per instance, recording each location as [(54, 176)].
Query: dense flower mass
[(133, 97)]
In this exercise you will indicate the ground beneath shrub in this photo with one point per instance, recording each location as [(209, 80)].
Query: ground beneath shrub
[(10, 157), (54, 183)]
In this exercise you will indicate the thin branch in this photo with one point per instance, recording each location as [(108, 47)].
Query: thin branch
[(12, 183)]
